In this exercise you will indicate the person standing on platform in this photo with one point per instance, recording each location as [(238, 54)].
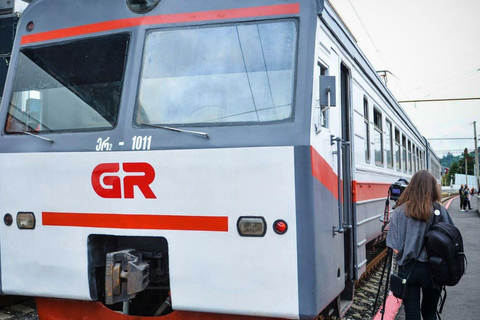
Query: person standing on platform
[(462, 196), (409, 224), (466, 204)]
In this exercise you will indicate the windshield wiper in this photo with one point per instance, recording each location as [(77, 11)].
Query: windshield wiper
[(33, 135), (203, 134)]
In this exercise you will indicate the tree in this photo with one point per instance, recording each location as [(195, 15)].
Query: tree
[(459, 167), (451, 172), (448, 159)]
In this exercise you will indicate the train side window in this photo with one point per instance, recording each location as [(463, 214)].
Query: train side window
[(421, 160), (398, 150), (366, 120), (378, 137), (389, 146), (418, 159), (414, 156), (409, 157), (404, 153), (325, 114), (61, 87)]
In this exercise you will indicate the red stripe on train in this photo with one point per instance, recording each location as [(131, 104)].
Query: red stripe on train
[(60, 309), (361, 191), (252, 12), (324, 173), (370, 190), (135, 221)]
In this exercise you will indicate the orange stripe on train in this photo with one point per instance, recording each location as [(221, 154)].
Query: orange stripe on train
[(135, 221), (264, 11)]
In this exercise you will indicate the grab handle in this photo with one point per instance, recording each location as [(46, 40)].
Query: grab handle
[(338, 140)]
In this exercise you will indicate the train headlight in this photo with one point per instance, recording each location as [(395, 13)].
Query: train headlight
[(251, 226), (26, 220)]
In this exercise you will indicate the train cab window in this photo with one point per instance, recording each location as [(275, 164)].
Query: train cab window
[(74, 86), (378, 137), (245, 75), (410, 157), (389, 145), (398, 151), (366, 121), (404, 153)]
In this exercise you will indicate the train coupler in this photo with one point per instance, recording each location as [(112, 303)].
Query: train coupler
[(125, 275)]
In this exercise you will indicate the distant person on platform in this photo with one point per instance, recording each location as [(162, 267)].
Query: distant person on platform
[(466, 203), (462, 196)]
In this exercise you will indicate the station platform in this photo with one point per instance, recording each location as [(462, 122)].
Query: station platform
[(463, 300)]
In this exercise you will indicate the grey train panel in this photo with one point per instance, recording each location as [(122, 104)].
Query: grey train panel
[(292, 132), (318, 258)]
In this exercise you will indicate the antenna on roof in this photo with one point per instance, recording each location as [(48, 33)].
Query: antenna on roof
[(383, 75)]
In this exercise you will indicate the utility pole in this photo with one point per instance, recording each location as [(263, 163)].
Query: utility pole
[(476, 153), (465, 153)]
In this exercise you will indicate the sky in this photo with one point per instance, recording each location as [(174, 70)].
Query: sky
[(432, 48)]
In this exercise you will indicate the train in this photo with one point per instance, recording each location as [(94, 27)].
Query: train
[(194, 159)]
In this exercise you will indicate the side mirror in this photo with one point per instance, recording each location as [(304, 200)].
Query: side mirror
[(327, 92)]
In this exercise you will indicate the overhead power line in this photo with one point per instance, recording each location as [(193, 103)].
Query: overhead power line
[(450, 138), (439, 100), (366, 31), (454, 78)]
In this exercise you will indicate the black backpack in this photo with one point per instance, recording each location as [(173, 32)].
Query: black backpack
[(444, 245)]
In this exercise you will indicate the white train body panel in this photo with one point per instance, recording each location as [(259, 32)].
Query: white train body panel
[(224, 182)]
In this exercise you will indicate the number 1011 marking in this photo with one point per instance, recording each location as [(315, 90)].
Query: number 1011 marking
[(141, 143)]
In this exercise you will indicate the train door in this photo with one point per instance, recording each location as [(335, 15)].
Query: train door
[(346, 170)]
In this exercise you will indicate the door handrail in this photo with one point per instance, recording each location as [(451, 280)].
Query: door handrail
[(339, 143)]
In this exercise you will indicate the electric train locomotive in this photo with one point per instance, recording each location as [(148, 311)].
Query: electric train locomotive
[(194, 159)]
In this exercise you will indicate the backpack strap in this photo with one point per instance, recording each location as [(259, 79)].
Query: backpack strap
[(442, 299), (439, 218)]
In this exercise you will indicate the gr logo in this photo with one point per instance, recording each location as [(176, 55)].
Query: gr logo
[(108, 183)]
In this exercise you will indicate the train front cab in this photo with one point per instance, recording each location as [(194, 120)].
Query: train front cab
[(138, 157)]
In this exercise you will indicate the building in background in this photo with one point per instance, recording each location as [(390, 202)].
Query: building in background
[(470, 180)]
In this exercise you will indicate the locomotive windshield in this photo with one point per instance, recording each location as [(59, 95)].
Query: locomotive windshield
[(69, 86), (242, 73)]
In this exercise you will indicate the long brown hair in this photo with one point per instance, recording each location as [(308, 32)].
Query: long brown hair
[(419, 195)]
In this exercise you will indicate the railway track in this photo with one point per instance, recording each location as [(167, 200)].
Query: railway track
[(17, 308)]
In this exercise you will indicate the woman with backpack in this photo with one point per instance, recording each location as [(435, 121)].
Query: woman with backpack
[(410, 221)]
